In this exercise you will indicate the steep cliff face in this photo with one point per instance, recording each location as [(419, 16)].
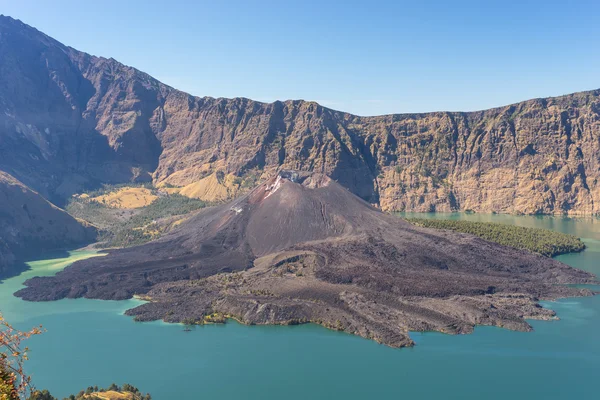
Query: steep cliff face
[(241, 135), (30, 225), (72, 120), (539, 156)]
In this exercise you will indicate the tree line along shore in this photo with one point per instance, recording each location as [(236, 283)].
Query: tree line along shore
[(542, 241)]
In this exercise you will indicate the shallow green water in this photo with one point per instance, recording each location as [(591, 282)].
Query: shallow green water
[(90, 342)]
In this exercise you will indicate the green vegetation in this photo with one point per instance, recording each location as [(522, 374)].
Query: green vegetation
[(127, 227), (250, 179), (543, 241), (215, 318), (211, 318), (7, 385), (114, 391), (145, 225), (98, 214), (261, 292), (167, 206)]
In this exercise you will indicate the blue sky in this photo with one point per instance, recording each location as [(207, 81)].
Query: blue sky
[(368, 57)]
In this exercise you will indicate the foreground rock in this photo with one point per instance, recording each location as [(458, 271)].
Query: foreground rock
[(69, 120), (30, 225), (302, 248)]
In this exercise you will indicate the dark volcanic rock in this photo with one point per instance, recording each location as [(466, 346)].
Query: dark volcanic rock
[(30, 225), (300, 248), (70, 120)]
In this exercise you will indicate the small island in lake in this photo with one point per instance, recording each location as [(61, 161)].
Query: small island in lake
[(301, 248)]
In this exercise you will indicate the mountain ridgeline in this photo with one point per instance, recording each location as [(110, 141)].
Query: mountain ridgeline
[(71, 121)]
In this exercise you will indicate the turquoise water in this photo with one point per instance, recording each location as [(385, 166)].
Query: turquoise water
[(90, 342)]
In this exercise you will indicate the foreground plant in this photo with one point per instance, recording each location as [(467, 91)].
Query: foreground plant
[(14, 382)]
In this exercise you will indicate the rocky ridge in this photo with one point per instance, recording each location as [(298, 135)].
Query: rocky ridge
[(69, 121)]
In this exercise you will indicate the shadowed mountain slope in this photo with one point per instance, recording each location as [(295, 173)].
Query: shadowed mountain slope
[(301, 247), (30, 225), (69, 121)]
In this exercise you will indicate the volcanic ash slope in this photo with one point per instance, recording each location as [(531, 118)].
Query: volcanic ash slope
[(302, 248)]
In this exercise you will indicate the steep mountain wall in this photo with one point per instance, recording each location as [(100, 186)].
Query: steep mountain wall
[(30, 225), (539, 156), (69, 120)]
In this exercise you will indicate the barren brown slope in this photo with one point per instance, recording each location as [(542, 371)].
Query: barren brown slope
[(69, 120), (302, 248), (30, 225)]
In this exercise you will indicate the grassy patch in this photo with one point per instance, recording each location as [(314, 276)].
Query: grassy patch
[(542, 241), (127, 197), (152, 221), (129, 227)]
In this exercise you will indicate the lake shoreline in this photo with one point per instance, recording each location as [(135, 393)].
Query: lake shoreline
[(337, 364), (527, 305)]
